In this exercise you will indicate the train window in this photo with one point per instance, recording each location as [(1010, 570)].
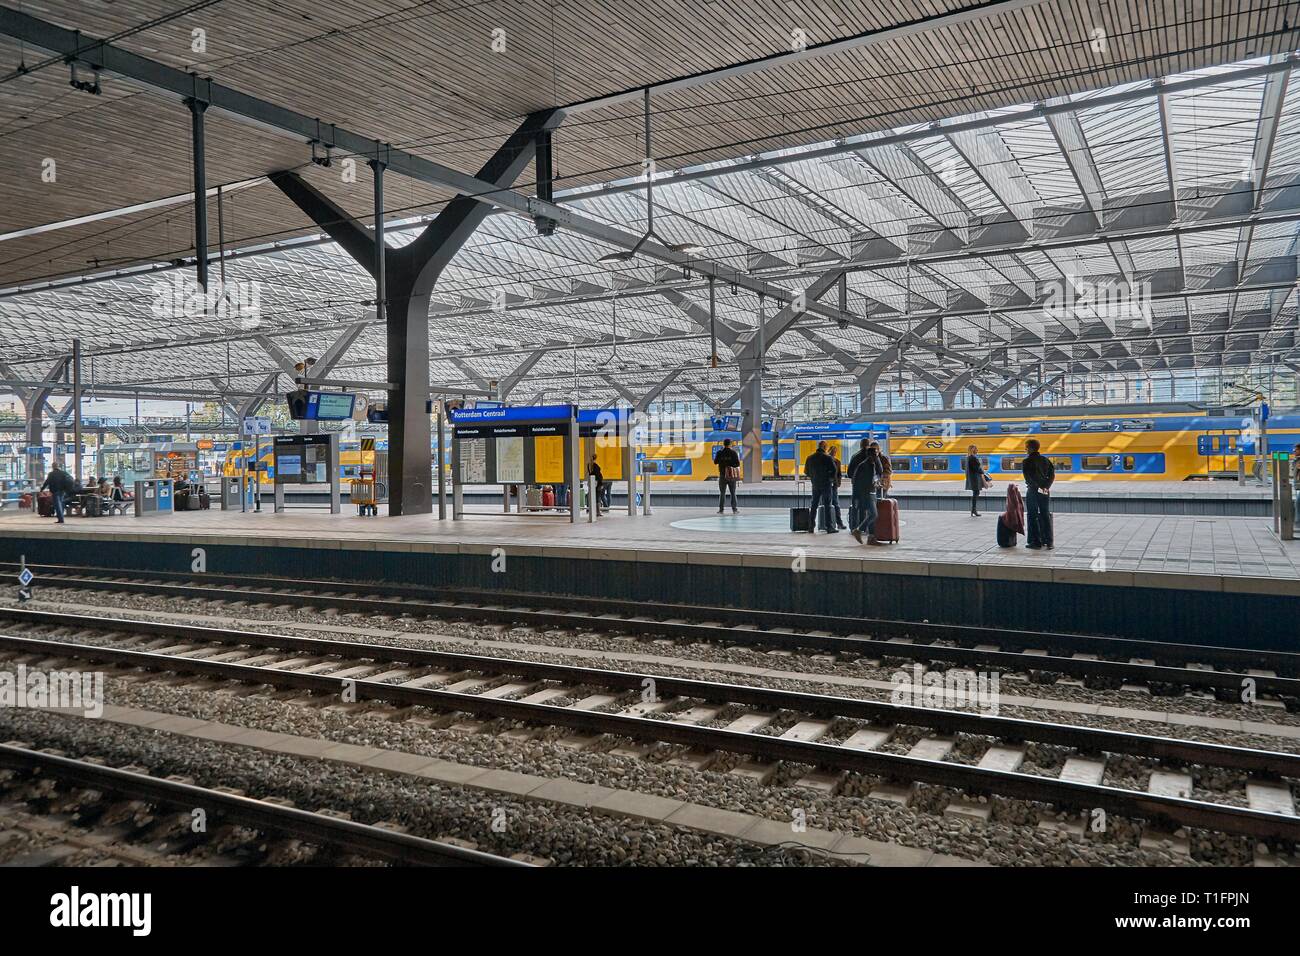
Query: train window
[(1011, 464), (1062, 464), (1056, 426), (1096, 462), (934, 429), (1016, 428), (900, 464), (974, 429), (900, 429), (1129, 463), (1096, 426), (1137, 425), (932, 463)]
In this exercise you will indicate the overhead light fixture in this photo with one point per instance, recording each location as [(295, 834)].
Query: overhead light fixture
[(621, 256), (691, 248)]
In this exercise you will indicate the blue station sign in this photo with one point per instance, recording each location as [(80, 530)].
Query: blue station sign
[(517, 414)]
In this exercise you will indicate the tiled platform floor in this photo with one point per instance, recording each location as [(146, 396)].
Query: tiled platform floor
[(1186, 545), (1100, 488)]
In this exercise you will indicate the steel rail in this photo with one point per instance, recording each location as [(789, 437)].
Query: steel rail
[(362, 838), (1087, 739), (782, 630), (1185, 812)]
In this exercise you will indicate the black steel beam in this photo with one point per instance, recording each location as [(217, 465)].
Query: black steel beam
[(197, 108)]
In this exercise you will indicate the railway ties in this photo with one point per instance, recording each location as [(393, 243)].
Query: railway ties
[(754, 730), (99, 791), (1267, 678)]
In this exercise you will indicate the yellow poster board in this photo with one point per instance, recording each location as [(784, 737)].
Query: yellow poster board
[(610, 458), (548, 460)]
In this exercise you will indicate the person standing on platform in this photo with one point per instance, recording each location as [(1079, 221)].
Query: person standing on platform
[(886, 471), (59, 484), (821, 469), (1295, 480), (974, 479), (1039, 475), (593, 471), (865, 472), (835, 489), (728, 463)]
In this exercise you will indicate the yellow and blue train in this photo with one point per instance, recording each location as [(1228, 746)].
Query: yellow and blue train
[(1130, 443), (1167, 442)]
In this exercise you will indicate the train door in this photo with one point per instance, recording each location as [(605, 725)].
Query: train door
[(1218, 452)]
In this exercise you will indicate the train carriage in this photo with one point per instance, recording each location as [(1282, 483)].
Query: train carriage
[(1116, 443)]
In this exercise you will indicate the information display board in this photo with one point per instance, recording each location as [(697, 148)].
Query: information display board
[(307, 460), (330, 406), (473, 461), (548, 460), (510, 460)]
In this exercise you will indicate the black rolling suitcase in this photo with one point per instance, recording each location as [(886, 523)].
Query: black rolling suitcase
[(1006, 537), (801, 518)]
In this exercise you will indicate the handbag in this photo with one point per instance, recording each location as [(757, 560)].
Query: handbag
[(731, 473)]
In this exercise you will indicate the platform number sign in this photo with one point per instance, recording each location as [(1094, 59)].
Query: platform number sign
[(25, 578)]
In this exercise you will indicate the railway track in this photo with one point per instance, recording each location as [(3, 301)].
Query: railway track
[(835, 735), (1231, 674), (230, 808)]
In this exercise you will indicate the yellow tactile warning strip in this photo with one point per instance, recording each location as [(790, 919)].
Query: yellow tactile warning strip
[(607, 800), (639, 660)]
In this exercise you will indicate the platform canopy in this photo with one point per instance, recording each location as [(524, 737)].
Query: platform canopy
[(981, 197)]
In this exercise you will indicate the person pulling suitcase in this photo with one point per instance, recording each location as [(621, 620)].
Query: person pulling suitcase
[(864, 473)]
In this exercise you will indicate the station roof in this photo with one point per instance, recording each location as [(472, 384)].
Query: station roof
[(1035, 190)]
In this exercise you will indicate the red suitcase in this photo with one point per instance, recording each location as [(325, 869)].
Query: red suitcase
[(887, 520), (45, 504)]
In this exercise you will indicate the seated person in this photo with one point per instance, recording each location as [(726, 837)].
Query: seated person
[(117, 492), (102, 488)]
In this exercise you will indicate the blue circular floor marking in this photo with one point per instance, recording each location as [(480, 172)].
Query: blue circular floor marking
[(761, 522)]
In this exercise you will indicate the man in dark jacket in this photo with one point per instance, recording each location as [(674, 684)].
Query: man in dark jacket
[(1039, 475), (60, 484), (593, 471), (821, 470), (835, 490), (728, 463), (864, 475)]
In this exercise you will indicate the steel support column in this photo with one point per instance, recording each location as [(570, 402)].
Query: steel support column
[(751, 359), (76, 410), (410, 275), (35, 404)]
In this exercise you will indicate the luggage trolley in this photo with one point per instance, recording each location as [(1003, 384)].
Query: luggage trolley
[(370, 486)]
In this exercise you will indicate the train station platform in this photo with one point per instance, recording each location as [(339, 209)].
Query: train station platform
[(1190, 579), (1099, 496)]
